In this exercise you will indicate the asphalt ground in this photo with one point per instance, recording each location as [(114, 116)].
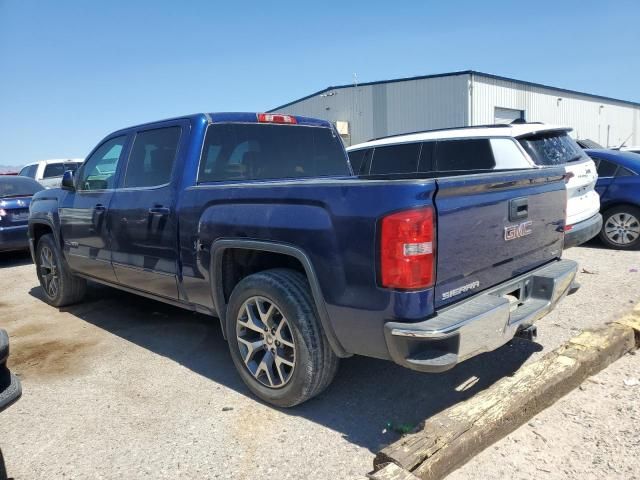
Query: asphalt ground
[(122, 386)]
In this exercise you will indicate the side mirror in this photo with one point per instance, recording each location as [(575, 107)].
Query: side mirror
[(67, 181)]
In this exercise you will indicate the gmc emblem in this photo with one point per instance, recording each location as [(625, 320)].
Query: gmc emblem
[(511, 232)]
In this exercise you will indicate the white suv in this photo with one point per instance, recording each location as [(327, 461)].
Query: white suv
[(49, 172), (490, 148)]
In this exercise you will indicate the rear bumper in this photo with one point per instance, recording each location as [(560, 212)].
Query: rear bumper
[(13, 238), (482, 323), (583, 231)]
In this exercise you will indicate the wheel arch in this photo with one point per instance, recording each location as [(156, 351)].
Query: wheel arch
[(220, 296), (36, 230), (620, 203)]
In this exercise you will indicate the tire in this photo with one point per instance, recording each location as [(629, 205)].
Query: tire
[(3, 471), (626, 217), (51, 267), (314, 362)]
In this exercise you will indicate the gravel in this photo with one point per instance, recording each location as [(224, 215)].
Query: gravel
[(122, 386), (592, 433)]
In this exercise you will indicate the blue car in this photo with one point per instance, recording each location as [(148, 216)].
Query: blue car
[(619, 189), (15, 197)]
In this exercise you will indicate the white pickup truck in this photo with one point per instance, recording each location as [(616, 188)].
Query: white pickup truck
[(48, 173)]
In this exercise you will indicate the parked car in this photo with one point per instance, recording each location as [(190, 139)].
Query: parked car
[(258, 220), (10, 388), (15, 197), (455, 151), (619, 189), (49, 172), (632, 149)]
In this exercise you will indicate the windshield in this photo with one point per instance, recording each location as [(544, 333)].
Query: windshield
[(552, 148), (18, 187)]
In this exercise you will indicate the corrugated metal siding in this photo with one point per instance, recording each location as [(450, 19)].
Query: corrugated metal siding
[(582, 113), (389, 108), (427, 104), (354, 105), (421, 104)]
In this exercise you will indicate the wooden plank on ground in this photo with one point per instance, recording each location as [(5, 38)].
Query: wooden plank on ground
[(391, 471), (450, 438)]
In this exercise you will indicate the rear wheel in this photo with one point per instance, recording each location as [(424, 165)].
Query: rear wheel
[(275, 338), (621, 227), (60, 286)]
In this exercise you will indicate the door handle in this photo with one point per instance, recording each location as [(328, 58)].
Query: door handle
[(99, 208), (159, 211)]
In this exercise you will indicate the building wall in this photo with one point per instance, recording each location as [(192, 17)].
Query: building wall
[(593, 118), (388, 108)]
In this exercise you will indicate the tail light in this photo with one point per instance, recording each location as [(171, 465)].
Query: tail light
[(276, 118), (567, 177), (407, 249)]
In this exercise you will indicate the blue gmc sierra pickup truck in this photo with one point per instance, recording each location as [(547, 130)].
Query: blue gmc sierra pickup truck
[(258, 220)]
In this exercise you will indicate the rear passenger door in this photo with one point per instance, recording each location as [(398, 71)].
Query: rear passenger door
[(142, 212)]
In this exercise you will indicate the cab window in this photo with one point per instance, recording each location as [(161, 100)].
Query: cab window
[(152, 157), (98, 172)]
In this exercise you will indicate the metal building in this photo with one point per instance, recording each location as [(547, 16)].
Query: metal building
[(375, 109)]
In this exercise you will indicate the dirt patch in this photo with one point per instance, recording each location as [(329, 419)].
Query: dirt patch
[(26, 330), (32, 357)]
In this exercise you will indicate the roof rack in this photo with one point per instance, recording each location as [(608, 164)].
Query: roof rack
[(467, 127)]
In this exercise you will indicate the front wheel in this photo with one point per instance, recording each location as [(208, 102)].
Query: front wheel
[(276, 340), (621, 227), (60, 286)]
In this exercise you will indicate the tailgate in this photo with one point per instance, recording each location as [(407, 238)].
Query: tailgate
[(583, 202), (493, 227)]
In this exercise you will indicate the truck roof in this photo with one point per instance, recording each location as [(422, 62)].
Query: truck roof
[(233, 117), (54, 160), (626, 159), (499, 130)]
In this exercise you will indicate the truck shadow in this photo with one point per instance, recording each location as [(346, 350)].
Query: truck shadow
[(367, 401), (14, 259)]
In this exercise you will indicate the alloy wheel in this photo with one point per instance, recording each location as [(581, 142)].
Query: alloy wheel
[(266, 342), (622, 228), (49, 272)]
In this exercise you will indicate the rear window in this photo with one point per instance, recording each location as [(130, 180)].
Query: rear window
[(401, 158), (53, 170), (552, 148), (58, 169), (245, 151), (29, 171), (18, 187), (471, 154)]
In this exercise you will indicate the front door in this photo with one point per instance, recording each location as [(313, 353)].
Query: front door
[(142, 214), (83, 212)]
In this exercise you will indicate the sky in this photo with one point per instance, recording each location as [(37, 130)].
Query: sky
[(73, 71)]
